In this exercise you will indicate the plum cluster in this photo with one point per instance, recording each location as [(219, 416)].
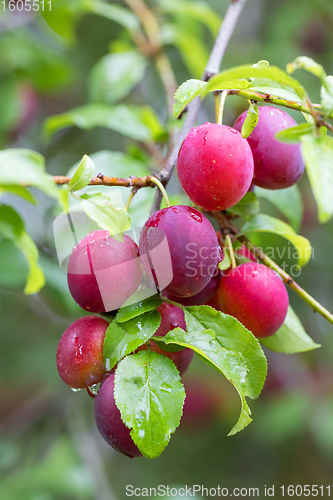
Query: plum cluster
[(178, 255)]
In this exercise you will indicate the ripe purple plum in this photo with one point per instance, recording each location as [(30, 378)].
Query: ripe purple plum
[(103, 272), (171, 317), (80, 352), (277, 165), (215, 166), (109, 422), (179, 250), (256, 296)]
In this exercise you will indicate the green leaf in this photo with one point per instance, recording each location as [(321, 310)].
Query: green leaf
[(273, 73), (248, 205), (326, 93), (115, 13), (318, 157), (192, 50), (100, 209), (128, 120), (12, 228), (123, 338), (11, 224), (228, 346), (19, 191), (265, 223), (64, 16), (288, 201), (185, 93), (114, 76), (308, 64), (35, 280), (150, 396), (291, 337), (24, 167), (232, 335), (294, 134), (231, 364), (83, 174), (198, 11), (129, 312), (226, 262), (115, 164), (250, 121)]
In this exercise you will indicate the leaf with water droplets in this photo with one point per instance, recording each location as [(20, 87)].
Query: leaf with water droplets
[(123, 338), (150, 396)]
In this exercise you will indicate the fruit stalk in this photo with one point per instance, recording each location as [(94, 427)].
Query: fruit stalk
[(288, 280)]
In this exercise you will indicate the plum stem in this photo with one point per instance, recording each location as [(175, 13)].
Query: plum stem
[(231, 251), (287, 279), (159, 184), (221, 107)]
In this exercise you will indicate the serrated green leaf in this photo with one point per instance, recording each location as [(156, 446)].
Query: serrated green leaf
[(114, 76), (317, 153), (294, 134), (113, 219), (19, 191), (288, 201), (123, 338), (250, 121), (308, 64), (12, 228), (83, 174), (150, 396), (129, 312), (128, 120), (185, 93), (265, 223), (248, 205), (24, 167), (232, 335), (291, 337), (205, 343), (273, 73), (115, 13)]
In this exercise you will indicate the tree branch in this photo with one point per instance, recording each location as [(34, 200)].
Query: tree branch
[(224, 222), (213, 65), (101, 180)]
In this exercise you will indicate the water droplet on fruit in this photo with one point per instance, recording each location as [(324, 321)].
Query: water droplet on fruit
[(94, 388), (75, 390), (254, 274)]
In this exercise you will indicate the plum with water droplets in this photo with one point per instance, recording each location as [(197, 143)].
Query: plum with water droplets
[(103, 272), (215, 166), (256, 296), (179, 250), (80, 352), (277, 165)]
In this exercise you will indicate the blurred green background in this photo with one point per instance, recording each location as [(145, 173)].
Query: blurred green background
[(49, 445)]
